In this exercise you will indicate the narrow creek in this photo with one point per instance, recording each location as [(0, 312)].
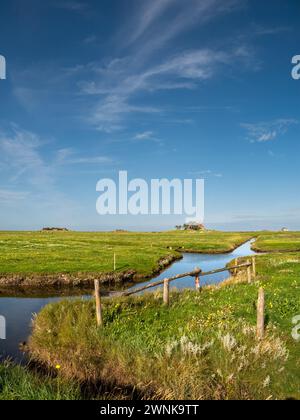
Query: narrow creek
[(18, 311), (207, 262)]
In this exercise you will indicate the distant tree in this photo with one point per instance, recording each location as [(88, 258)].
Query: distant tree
[(178, 227)]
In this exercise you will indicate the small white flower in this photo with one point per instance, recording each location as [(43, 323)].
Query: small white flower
[(267, 382), (229, 342)]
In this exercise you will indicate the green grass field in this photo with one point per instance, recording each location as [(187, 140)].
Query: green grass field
[(202, 347), (26, 383), (93, 253), (279, 242), (18, 383)]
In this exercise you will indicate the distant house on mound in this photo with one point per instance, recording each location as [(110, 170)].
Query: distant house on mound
[(194, 226), (54, 229), (284, 229)]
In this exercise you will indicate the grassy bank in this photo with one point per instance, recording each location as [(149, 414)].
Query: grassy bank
[(27, 258), (28, 383), (202, 347), (279, 242)]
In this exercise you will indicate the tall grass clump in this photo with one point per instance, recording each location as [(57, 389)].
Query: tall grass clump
[(19, 383), (202, 347)]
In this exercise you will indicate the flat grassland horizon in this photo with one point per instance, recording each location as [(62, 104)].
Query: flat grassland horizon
[(32, 252)]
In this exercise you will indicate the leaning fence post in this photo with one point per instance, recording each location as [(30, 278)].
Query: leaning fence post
[(235, 263), (197, 278), (254, 267), (249, 271), (98, 304), (166, 292), (261, 314)]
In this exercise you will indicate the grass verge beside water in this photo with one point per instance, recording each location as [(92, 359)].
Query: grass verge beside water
[(202, 347), (19, 383)]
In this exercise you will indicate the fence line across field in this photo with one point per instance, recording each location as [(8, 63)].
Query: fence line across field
[(197, 273), (250, 267)]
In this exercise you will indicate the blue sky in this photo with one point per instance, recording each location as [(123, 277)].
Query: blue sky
[(160, 88)]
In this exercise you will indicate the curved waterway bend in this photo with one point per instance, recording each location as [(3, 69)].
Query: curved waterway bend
[(207, 262), (18, 311)]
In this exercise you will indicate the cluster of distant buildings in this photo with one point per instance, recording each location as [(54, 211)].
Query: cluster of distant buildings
[(54, 229), (191, 226), (195, 226)]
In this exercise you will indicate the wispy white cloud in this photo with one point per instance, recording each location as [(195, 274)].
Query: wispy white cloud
[(268, 131), (70, 157), (33, 178), (154, 33), (260, 30), (206, 173), (20, 154), (117, 86), (72, 5), (114, 93), (109, 114), (196, 64), (190, 65), (25, 162), (91, 39), (29, 179), (27, 97), (146, 135), (155, 25), (149, 12), (11, 196)]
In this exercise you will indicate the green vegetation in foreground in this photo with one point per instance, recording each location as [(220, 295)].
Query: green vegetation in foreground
[(22, 383), (18, 383), (279, 242), (76, 252), (202, 347)]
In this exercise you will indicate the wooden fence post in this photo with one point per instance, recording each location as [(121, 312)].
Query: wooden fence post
[(249, 271), (197, 278), (254, 267), (261, 314), (114, 261), (166, 292), (98, 304), (235, 263)]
